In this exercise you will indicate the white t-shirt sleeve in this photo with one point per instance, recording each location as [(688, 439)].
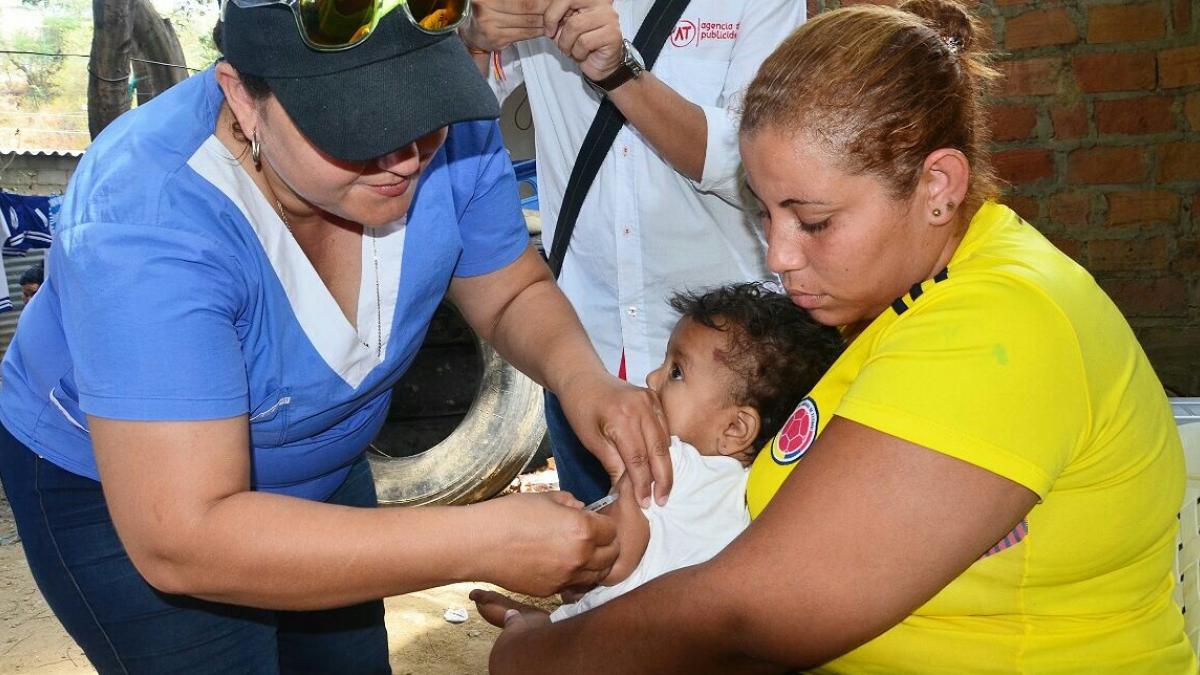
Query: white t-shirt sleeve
[(706, 511)]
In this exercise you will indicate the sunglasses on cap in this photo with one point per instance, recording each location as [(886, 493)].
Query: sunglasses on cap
[(334, 25)]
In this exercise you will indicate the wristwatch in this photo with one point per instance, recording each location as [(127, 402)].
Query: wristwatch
[(631, 67)]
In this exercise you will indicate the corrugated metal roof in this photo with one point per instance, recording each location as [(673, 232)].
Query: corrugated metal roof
[(42, 153)]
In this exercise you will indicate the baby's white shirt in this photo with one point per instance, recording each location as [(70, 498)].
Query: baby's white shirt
[(706, 511)]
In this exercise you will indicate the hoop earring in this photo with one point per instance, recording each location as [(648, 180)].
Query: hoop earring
[(937, 213), (255, 150)]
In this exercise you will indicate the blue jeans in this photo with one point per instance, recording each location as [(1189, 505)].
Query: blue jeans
[(124, 625), (579, 472)]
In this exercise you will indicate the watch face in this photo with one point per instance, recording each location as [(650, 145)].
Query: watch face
[(633, 58)]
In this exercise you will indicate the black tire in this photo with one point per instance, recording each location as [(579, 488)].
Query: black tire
[(499, 435)]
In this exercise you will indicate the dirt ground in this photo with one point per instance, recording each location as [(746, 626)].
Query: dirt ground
[(421, 641)]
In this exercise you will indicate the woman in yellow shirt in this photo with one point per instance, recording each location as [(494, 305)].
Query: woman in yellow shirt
[(987, 479)]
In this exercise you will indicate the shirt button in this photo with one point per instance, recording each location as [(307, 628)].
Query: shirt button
[(632, 311), (626, 231), (624, 150)]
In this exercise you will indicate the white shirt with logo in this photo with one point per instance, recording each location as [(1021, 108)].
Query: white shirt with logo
[(645, 231)]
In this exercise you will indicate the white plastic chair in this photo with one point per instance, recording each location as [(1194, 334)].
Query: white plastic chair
[(1187, 557)]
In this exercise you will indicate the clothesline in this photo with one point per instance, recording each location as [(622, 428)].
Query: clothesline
[(26, 222)]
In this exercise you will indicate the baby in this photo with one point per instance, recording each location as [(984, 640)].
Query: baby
[(739, 359)]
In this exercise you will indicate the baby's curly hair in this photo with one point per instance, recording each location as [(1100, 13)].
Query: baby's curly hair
[(776, 351)]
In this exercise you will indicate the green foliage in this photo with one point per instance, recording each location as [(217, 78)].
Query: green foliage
[(193, 21), (43, 99)]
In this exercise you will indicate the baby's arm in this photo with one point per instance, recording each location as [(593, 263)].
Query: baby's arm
[(633, 532)]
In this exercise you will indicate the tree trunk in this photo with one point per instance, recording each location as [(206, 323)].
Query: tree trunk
[(123, 29), (155, 40), (108, 66)]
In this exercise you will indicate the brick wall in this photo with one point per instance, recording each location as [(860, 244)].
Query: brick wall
[(36, 174), (1097, 131)]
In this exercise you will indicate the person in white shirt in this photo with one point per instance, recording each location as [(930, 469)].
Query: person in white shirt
[(739, 360), (663, 214)]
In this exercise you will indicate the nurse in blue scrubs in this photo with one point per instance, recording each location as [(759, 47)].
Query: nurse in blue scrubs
[(243, 269)]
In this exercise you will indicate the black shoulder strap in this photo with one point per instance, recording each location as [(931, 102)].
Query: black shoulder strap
[(651, 37)]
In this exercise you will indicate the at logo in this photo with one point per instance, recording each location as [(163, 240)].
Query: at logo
[(684, 34), (797, 435)]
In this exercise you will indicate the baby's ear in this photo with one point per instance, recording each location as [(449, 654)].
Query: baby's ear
[(741, 431)]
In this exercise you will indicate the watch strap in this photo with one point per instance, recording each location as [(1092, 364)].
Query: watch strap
[(628, 69)]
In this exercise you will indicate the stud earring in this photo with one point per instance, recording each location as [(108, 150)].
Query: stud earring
[(937, 213)]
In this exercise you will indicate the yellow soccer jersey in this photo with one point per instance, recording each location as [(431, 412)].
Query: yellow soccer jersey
[(1014, 360)]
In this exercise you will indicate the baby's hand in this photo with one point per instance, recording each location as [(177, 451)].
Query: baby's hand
[(494, 609)]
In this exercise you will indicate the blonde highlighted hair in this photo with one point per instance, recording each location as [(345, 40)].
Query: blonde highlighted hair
[(882, 88)]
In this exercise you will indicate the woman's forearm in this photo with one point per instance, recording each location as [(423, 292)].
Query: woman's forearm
[(521, 311), (541, 335), (663, 627), (266, 550), (180, 498)]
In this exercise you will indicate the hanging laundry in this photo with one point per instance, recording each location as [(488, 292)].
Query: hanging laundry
[(5, 302), (28, 221)]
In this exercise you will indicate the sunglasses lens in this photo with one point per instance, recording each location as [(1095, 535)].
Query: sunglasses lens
[(337, 23), (438, 16)]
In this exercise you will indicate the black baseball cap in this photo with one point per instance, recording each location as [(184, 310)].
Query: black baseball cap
[(366, 101)]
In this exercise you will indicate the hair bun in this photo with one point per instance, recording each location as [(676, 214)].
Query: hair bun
[(950, 19)]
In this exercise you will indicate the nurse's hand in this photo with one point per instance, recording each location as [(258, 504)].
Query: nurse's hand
[(625, 428), (546, 542)]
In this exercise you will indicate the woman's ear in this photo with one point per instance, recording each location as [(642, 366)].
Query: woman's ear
[(244, 106), (944, 183), (739, 434)]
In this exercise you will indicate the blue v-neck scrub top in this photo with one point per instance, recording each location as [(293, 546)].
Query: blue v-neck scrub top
[(175, 292)]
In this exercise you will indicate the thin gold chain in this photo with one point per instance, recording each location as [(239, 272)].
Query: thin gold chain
[(378, 292)]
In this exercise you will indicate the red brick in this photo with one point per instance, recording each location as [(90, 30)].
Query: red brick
[(1106, 165), (1106, 255), (1039, 29), (1165, 296), (1021, 167), (813, 9), (1142, 206), (1069, 121), (1187, 257), (1179, 161), (1071, 209), (1115, 71), (1183, 16), (1013, 122), (1072, 247), (1191, 110), (1030, 77), (1025, 206), (1179, 67), (1146, 115), (1172, 352), (1126, 23)]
